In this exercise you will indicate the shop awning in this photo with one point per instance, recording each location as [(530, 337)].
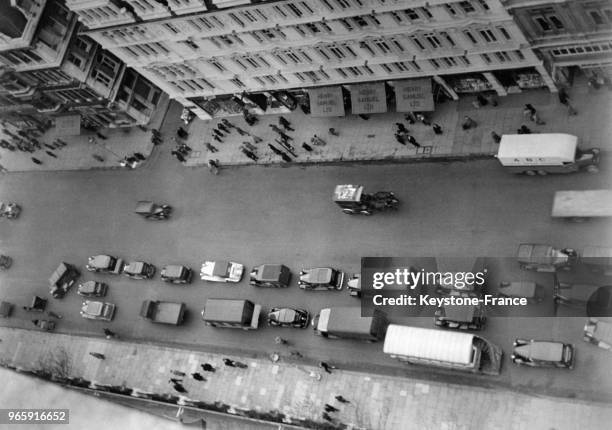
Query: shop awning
[(368, 98), (414, 95), (326, 101)]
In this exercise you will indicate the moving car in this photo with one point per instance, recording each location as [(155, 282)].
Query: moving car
[(543, 353), (102, 311), (151, 210), (353, 200), (288, 317), (176, 274), (545, 258), (321, 278), (92, 289), (139, 270), (221, 271), (104, 264)]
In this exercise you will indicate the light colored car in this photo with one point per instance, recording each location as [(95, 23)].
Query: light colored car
[(104, 263), (139, 270), (543, 353), (92, 289), (221, 271), (103, 311)]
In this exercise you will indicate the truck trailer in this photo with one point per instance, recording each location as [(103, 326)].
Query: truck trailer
[(543, 153), (231, 313), (580, 205), (163, 312)]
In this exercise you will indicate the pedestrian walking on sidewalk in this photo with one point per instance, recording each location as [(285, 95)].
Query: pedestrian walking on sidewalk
[(229, 363), (51, 154), (307, 147), (523, 130), (175, 381), (227, 123), (275, 128), (180, 388), (177, 373), (109, 334), (198, 377), (213, 166), (207, 367), (285, 137), (326, 366), (241, 132), (341, 399), (256, 139), (330, 408), (249, 154), (223, 128), (496, 137), (211, 148), (326, 417), (400, 138), (436, 128), (468, 123), (182, 133), (97, 355), (536, 118), (529, 111), (285, 123), (217, 138), (333, 132), (401, 128), (423, 119), (411, 140), (280, 341)]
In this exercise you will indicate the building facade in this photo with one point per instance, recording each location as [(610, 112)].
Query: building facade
[(47, 69), (571, 36), (219, 56)]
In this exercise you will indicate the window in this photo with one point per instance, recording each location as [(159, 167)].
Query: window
[(465, 60), (418, 43), (486, 58), (360, 21), (467, 6), (382, 45), (191, 44), (387, 68), (327, 4), (544, 24), (504, 33), (596, 16), (346, 23), (350, 50), (449, 39), (341, 73), (325, 26), (337, 52), (434, 63), (75, 59), (450, 9), (238, 83), (433, 40), (415, 65), (217, 65), (312, 27), (411, 14), (519, 55), (396, 17), (483, 4), (367, 47), (488, 36), (343, 4), (556, 22), (280, 11), (305, 6), (248, 15), (400, 66), (297, 12), (172, 28), (236, 19), (450, 61), (503, 56), (240, 63), (470, 37), (608, 13), (398, 45), (426, 12), (322, 53)]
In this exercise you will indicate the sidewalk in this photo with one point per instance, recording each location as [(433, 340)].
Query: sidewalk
[(358, 140), (376, 402)]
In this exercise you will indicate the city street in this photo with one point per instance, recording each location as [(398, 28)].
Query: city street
[(255, 215)]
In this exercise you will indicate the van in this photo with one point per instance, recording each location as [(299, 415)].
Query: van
[(347, 323), (62, 279)]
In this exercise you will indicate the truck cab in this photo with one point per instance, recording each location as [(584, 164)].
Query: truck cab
[(139, 270), (62, 279), (231, 313), (271, 276), (321, 278)]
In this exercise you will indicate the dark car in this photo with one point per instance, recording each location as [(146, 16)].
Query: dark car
[(176, 274), (151, 210), (288, 317), (92, 289), (543, 353), (139, 270)]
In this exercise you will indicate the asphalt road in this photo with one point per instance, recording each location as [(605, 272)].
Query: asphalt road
[(255, 215)]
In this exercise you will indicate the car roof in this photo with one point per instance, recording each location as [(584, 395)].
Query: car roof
[(173, 271), (541, 350), (221, 268), (286, 314), (94, 308), (135, 266), (321, 275), (88, 286), (101, 260)]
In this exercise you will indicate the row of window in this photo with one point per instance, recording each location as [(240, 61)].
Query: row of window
[(548, 20), (581, 50), (20, 57), (75, 95), (49, 77)]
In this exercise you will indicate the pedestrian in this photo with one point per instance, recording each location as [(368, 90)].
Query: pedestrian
[(198, 377), (400, 138), (529, 111), (536, 118), (280, 341), (51, 154), (275, 128), (330, 408), (524, 130), (468, 123), (341, 399), (481, 100), (227, 123), (492, 99), (177, 373), (257, 139), (175, 381), (179, 156), (241, 132), (213, 166), (139, 156), (109, 334), (223, 128), (285, 137), (54, 315), (101, 136), (326, 366), (307, 147), (436, 128), (285, 157), (496, 137), (423, 119), (409, 117), (217, 138), (182, 133), (229, 363), (207, 367), (249, 154), (333, 132), (412, 141), (326, 417), (211, 148), (180, 388), (401, 128), (97, 355)]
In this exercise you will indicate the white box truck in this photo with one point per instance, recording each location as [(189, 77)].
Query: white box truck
[(543, 153), (579, 205)]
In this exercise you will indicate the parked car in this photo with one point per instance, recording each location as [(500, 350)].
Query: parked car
[(92, 289), (176, 274), (221, 271), (288, 317), (321, 278), (139, 270), (543, 353), (545, 258), (103, 311), (151, 210), (105, 264), (9, 210)]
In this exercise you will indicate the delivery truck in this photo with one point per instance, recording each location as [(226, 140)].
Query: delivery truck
[(163, 312), (347, 323), (543, 153), (581, 205), (231, 313)]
